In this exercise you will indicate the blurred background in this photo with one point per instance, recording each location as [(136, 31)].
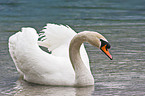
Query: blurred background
[(122, 22)]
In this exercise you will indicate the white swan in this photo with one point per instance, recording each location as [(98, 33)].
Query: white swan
[(64, 65)]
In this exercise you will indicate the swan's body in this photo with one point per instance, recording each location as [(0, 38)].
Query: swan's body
[(64, 66)]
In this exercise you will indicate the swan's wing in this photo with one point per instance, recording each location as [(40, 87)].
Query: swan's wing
[(53, 36)]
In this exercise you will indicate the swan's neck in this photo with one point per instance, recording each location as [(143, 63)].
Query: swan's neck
[(83, 75)]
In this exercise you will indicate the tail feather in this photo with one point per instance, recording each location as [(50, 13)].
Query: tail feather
[(22, 38), (19, 42), (52, 36)]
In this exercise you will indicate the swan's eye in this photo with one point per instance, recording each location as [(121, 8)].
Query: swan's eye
[(108, 46)]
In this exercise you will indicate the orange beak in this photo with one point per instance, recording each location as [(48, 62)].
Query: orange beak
[(105, 50)]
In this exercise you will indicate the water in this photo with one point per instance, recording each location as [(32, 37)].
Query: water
[(121, 22)]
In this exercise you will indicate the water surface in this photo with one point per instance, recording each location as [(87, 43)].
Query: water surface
[(121, 22)]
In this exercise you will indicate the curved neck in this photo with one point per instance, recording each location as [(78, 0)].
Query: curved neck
[(83, 75)]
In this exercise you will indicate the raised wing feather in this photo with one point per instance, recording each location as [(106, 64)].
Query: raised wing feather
[(53, 36)]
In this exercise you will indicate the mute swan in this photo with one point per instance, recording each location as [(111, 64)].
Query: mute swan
[(67, 65)]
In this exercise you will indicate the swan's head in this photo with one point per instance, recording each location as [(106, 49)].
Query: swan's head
[(100, 42)]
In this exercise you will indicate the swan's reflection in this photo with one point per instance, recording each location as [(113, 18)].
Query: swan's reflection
[(27, 89)]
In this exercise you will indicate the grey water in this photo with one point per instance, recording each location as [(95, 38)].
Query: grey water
[(122, 22)]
